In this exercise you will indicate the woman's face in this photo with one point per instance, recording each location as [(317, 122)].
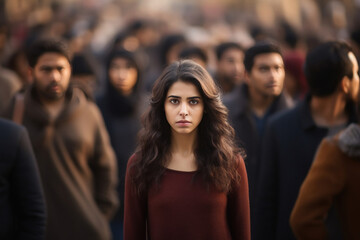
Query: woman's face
[(184, 107), (123, 75)]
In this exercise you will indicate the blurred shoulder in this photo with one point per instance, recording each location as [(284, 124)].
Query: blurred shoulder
[(10, 131)]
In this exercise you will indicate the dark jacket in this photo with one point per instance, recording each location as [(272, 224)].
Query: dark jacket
[(122, 121), (22, 204), (290, 143), (334, 177), (241, 118), (77, 167)]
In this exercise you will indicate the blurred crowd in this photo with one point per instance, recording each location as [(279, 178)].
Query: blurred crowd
[(93, 28), (123, 46)]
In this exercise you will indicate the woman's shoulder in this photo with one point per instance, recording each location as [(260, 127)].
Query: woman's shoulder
[(240, 164), (132, 160), (239, 159)]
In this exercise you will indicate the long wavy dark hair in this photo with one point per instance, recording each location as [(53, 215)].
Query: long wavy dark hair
[(216, 153)]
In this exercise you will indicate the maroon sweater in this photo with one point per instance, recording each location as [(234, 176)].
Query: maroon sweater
[(182, 207)]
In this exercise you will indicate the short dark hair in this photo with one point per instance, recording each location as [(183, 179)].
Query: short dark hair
[(43, 46), (168, 42), (191, 51), (326, 65), (221, 48), (262, 47)]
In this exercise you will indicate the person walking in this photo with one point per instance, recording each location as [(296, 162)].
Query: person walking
[(229, 66), (121, 106), (254, 102), (76, 162), (22, 203), (334, 178), (292, 137)]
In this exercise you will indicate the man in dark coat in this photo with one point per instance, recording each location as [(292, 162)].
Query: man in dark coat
[(22, 204), (255, 101), (292, 137)]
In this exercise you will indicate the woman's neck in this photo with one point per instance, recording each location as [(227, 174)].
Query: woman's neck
[(182, 155)]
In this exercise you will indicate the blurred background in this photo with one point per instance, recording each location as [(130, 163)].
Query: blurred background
[(92, 27)]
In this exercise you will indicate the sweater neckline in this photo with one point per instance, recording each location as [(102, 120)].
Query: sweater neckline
[(180, 171)]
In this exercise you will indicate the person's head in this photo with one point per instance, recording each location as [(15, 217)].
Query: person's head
[(288, 34), (230, 66), (194, 53), (186, 91), (264, 69), (295, 83), (19, 64), (332, 67), (83, 76), (50, 68), (196, 79), (122, 71), (169, 48)]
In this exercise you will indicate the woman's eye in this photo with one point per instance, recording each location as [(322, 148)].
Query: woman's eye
[(174, 101), (193, 102)]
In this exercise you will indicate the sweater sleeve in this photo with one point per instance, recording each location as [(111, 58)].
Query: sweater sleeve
[(135, 209), (27, 193), (104, 168), (238, 208), (325, 180)]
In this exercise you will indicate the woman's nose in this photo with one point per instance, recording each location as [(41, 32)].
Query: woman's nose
[(184, 110)]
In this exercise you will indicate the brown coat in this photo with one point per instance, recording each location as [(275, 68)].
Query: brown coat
[(77, 167), (333, 177)]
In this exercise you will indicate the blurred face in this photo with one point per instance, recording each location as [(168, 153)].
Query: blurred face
[(22, 68), (267, 75), (173, 53), (354, 88), (291, 84), (51, 76), (123, 75), (231, 67), (198, 60), (184, 108)]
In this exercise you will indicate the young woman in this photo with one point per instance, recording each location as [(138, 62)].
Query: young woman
[(187, 179), (120, 106)]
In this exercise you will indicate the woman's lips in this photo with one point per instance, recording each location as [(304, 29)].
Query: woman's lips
[(183, 123)]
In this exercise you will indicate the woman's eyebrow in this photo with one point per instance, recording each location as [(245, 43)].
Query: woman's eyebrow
[(173, 96)]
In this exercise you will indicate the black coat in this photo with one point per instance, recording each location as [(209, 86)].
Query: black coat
[(122, 120), (290, 143), (241, 118), (22, 205)]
